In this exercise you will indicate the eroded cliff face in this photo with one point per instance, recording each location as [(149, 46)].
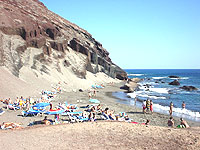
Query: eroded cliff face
[(33, 37)]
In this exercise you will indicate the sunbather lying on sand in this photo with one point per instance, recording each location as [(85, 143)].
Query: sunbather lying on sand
[(46, 121), (11, 125)]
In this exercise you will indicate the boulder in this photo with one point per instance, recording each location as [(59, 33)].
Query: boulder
[(175, 82), (173, 76), (189, 88), (130, 86), (136, 80)]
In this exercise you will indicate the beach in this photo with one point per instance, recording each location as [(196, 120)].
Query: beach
[(100, 134), (107, 100)]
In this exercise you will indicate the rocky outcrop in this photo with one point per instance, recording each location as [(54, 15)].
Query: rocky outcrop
[(131, 85), (173, 76), (175, 82), (189, 88), (28, 25)]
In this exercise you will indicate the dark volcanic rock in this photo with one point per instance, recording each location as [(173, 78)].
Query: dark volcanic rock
[(173, 76), (175, 82), (189, 88), (26, 24)]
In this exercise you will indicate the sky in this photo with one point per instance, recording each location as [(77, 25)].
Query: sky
[(139, 34)]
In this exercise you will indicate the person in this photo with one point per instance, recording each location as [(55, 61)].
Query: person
[(171, 122), (51, 105), (171, 108), (94, 93), (89, 95), (151, 106), (144, 106), (183, 105), (99, 108), (92, 116), (31, 100), (20, 103), (184, 123), (46, 121), (17, 101), (135, 100), (148, 105)]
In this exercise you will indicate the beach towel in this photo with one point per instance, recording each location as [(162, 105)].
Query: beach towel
[(94, 101)]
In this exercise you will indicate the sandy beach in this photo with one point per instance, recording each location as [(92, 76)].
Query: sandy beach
[(100, 134)]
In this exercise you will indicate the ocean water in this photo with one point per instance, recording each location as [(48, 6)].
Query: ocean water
[(161, 93)]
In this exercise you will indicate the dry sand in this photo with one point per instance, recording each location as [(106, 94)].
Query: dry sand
[(101, 134)]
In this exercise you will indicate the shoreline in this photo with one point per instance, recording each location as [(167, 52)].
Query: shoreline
[(107, 100), (101, 134), (157, 119)]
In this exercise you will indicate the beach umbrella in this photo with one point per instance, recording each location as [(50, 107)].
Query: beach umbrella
[(94, 101)]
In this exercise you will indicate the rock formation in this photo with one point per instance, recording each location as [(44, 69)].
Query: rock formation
[(37, 42), (131, 85), (173, 76), (29, 27), (189, 88), (175, 82)]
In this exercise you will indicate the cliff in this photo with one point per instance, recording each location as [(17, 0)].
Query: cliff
[(25, 24), (36, 41)]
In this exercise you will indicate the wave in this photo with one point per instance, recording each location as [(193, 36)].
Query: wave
[(152, 96), (135, 74), (142, 94), (159, 77), (159, 90), (178, 112), (183, 78)]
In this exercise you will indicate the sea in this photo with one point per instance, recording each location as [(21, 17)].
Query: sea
[(161, 93)]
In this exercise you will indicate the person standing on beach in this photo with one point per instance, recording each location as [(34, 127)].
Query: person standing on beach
[(144, 106), (148, 105), (94, 93), (135, 100), (89, 94), (171, 108), (151, 106), (183, 105)]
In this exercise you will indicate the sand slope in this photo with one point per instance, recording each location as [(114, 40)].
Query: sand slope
[(100, 135)]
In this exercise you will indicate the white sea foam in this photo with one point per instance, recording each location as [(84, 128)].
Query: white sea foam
[(135, 74), (159, 90), (183, 78), (159, 77), (142, 94), (132, 95), (152, 96), (179, 112)]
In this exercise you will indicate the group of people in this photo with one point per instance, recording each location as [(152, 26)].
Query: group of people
[(183, 123), (20, 103), (172, 105), (147, 106)]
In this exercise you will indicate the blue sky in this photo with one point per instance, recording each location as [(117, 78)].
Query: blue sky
[(140, 34)]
